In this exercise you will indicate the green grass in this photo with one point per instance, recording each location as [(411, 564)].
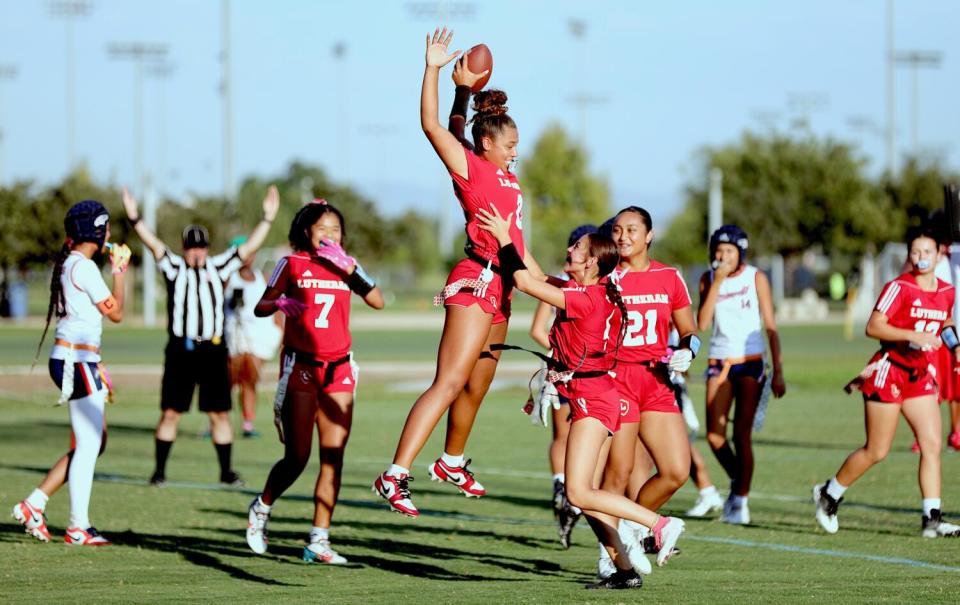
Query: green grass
[(185, 543)]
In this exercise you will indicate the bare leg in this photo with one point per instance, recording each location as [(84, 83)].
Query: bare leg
[(748, 396), (923, 416), (56, 476), (221, 431), (334, 420), (642, 469), (620, 459), (558, 445), (299, 417), (464, 333), (698, 469), (880, 420), (719, 399), (167, 427), (665, 436), (463, 412)]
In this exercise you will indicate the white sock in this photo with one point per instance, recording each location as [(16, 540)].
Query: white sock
[(396, 470), (263, 508), (603, 551), (709, 491), (739, 501), (930, 504), (319, 533), (452, 460), (38, 500), (835, 490), (86, 419), (562, 478)]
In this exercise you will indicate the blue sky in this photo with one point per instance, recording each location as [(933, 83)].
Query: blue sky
[(674, 77)]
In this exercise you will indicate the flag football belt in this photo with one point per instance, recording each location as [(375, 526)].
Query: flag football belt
[(289, 358), (328, 366), (556, 371), (729, 362), (478, 284), (913, 374), (485, 262)]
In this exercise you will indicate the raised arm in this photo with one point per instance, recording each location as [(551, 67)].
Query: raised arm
[(157, 247), (446, 145), (464, 79), (271, 205), (765, 298)]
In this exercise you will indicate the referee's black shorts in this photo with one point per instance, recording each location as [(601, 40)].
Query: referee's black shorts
[(204, 364)]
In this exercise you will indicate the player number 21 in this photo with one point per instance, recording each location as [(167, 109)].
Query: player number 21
[(635, 337), (326, 304)]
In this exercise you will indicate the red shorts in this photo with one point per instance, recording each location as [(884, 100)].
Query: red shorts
[(645, 389), (948, 378), (594, 398), (889, 383), (313, 380), (464, 288)]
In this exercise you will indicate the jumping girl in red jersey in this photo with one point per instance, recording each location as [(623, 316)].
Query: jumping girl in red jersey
[(476, 295), (318, 380), (585, 339)]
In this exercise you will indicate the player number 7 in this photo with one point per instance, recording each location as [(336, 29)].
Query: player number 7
[(326, 304)]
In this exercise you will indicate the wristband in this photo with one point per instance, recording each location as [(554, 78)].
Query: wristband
[(510, 261), (134, 221), (949, 337), (460, 100), (360, 282), (691, 342)]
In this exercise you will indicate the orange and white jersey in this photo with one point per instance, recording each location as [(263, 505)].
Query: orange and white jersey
[(83, 288)]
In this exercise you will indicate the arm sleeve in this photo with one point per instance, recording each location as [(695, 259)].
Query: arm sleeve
[(681, 295), (890, 299), (227, 262), (170, 264), (86, 276), (578, 302)]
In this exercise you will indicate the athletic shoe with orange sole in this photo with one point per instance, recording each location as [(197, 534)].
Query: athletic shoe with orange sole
[(76, 536), (32, 520), (460, 476)]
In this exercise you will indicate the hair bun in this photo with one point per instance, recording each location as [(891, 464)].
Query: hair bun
[(490, 102)]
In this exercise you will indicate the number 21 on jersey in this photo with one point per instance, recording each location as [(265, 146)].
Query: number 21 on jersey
[(635, 329)]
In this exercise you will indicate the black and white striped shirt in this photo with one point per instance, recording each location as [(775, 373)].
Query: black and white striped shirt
[(195, 295)]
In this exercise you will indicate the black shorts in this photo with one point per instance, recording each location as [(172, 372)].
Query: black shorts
[(205, 365), (86, 377)]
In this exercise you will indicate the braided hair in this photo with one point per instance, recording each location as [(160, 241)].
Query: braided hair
[(58, 302)]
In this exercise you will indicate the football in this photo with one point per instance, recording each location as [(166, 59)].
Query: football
[(479, 60)]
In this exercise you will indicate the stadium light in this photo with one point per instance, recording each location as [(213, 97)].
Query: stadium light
[(70, 11), (7, 72), (915, 60)]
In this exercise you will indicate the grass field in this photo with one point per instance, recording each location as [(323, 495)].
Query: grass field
[(184, 543)]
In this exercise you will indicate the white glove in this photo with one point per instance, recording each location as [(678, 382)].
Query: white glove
[(546, 399), (680, 360)]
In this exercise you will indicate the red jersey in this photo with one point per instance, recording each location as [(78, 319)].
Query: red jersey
[(651, 297), (323, 329), (485, 185), (584, 334), (910, 308)]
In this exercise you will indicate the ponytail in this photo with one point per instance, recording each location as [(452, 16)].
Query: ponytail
[(613, 295), (57, 301)]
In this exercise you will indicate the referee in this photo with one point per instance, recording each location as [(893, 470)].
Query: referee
[(196, 353)]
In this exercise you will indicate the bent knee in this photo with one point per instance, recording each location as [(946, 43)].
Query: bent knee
[(578, 495), (716, 440)]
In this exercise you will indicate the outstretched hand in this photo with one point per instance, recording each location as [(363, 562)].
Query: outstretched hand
[(437, 48), (271, 203), (129, 204), (495, 224)]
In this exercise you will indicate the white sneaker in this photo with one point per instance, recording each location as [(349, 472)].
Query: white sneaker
[(826, 508), (705, 505), (734, 514), (257, 527), (320, 552), (635, 554), (666, 539), (638, 559), (32, 520), (605, 566)]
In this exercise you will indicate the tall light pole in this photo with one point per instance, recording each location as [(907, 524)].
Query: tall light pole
[(139, 53), (226, 96), (582, 100), (915, 60), (70, 11), (891, 129), (7, 72), (339, 52), (160, 71)]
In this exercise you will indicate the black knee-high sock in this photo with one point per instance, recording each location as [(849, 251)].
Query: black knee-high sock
[(223, 455), (162, 452)]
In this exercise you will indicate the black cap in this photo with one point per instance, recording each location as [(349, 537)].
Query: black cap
[(196, 236)]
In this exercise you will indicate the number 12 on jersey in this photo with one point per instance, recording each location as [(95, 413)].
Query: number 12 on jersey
[(635, 329)]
